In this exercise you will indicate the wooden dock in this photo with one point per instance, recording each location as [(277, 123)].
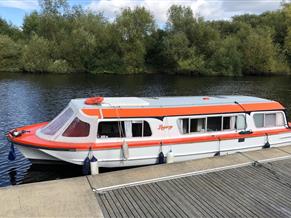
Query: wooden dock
[(250, 184), (261, 190)]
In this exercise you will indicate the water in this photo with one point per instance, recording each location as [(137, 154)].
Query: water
[(27, 99)]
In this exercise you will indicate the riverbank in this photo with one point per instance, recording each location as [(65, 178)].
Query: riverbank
[(154, 72), (135, 191)]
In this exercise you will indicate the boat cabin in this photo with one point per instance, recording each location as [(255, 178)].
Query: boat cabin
[(132, 118)]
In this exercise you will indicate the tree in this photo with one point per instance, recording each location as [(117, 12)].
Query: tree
[(9, 30), (180, 18), (32, 24), (134, 28), (37, 55), (9, 54), (287, 40), (53, 7), (180, 55), (226, 59), (260, 55), (63, 39), (288, 45)]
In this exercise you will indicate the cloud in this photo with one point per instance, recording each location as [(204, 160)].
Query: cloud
[(209, 9), (20, 4), (257, 6), (159, 8)]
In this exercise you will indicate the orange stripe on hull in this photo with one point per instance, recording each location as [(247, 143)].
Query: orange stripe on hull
[(180, 111)]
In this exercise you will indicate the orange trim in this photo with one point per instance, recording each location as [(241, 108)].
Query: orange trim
[(94, 100), (30, 139), (178, 111)]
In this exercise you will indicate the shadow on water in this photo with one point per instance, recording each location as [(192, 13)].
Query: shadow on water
[(27, 99)]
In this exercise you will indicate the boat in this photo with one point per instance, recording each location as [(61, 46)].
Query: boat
[(132, 131)]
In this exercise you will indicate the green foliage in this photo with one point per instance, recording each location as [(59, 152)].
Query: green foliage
[(260, 54), (36, 55), (59, 66), (180, 56), (10, 30), (134, 28), (9, 54), (63, 39), (53, 6), (227, 59), (288, 45)]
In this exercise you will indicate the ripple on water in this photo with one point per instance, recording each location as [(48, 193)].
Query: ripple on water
[(12, 172)]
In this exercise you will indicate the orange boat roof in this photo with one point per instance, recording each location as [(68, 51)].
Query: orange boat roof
[(114, 107)]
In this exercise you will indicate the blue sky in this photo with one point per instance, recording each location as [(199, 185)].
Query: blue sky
[(15, 10)]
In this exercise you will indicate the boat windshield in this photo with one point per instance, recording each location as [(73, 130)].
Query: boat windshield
[(56, 124)]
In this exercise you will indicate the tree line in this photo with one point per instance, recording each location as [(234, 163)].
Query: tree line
[(63, 39)]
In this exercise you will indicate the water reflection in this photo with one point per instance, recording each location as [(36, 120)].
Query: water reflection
[(27, 99)]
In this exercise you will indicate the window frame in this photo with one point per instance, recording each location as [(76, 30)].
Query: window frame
[(142, 128), (264, 121), (69, 123), (124, 120), (180, 123), (119, 123)]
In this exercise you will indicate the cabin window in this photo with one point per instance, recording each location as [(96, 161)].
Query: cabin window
[(234, 122), (269, 119), (240, 122), (139, 129), (77, 128), (56, 124), (216, 123), (111, 129), (193, 125), (185, 126), (228, 123), (259, 120), (280, 121), (126, 128)]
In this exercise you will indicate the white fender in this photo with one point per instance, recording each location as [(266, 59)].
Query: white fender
[(170, 157), (125, 150), (94, 167)]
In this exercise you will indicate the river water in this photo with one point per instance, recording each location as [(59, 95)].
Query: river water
[(27, 99)]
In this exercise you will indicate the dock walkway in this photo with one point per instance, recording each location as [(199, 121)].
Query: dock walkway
[(252, 184), (263, 190)]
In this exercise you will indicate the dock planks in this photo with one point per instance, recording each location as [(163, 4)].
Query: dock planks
[(261, 190)]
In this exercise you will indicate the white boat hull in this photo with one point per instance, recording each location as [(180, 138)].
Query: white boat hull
[(149, 154)]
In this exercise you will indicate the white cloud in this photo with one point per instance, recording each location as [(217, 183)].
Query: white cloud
[(158, 8), (249, 5), (20, 4), (110, 7), (209, 9)]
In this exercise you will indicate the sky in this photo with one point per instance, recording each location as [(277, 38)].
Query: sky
[(14, 10)]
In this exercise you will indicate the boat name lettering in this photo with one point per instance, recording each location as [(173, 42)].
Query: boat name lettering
[(161, 127)]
